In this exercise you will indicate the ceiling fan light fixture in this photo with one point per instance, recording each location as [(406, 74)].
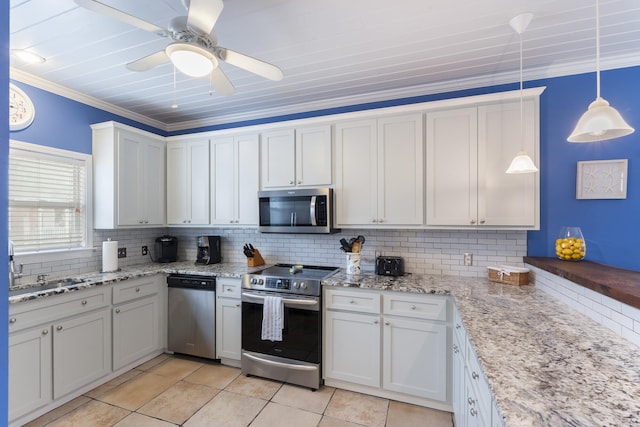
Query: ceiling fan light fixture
[(600, 122), (191, 59)]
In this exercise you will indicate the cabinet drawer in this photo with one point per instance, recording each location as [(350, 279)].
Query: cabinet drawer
[(51, 308), (131, 289), (478, 380), (228, 287), (352, 301), (420, 307)]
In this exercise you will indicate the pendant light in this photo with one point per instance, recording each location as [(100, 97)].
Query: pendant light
[(522, 163), (600, 121)]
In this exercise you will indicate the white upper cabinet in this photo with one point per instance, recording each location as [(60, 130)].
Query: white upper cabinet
[(468, 151), (296, 158), (379, 172), (235, 180), (128, 177), (188, 182)]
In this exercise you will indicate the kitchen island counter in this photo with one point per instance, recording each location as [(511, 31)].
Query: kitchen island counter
[(546, 363)]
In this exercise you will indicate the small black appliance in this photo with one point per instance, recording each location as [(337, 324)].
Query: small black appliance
[(209, 250), (166, 249), (389, 266)]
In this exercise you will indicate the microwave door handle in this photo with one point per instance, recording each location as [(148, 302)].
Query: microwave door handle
[(312, 211), (291, 219)]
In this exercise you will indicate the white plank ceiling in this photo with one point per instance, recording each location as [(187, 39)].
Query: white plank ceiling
[(332, 52)]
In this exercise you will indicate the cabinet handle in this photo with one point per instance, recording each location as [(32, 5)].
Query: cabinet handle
[(455, 349), (45, 332), (381, 220), (473, 412), (117, 310), (237, 305), (299, 182), (140, 221), (13, 320), (413, 307), (387, 323), (137, 289), (229, 290), (231, 221), (84, 302), (352, 302), (458, 326), (482, 221), (291, 182), (470, 401), (59, 328), (146, 221), (473, 221), (375, 322), (374, 220), (475, 375)]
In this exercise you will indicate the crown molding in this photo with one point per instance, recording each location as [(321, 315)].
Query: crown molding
[(555, 70)]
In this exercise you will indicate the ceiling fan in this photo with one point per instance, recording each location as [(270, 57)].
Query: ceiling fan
[(194, 49)]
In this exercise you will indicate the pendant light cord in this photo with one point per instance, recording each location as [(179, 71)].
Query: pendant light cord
[(597, 49)]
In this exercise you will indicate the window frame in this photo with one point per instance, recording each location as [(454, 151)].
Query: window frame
[(28, 257)]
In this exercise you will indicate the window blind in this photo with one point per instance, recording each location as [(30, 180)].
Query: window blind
[(47, 199)]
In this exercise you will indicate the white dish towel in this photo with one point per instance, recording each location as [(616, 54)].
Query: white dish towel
[(272, 319)]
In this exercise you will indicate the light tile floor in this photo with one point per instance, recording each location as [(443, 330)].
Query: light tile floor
[(173, 390)]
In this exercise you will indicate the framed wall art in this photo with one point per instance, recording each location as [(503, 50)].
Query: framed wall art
[(602, 179)]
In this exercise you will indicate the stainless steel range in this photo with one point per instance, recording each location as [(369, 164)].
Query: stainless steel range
[(296, 356)]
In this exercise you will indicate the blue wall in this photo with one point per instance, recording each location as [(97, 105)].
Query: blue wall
[(63, 123), (4, 153)]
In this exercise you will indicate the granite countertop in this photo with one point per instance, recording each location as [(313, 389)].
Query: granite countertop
[(32, 291), (547, 364)]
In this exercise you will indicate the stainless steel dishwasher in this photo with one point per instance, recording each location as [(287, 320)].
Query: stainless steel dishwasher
[(192, 315)]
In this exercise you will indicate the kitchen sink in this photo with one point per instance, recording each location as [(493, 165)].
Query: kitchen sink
[(50, 284)]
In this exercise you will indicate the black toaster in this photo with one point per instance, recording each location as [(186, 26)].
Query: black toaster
[(389, 266)]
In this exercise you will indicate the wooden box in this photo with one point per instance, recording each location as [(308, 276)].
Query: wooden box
[(509, 275)]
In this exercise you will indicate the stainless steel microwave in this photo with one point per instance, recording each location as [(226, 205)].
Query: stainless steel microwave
[(308, 210)]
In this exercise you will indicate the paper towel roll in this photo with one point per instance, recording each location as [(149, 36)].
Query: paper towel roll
[(109, 256)]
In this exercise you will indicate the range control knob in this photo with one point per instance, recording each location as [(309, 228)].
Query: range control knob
[(295, 285), (260, 282), (303, 285)]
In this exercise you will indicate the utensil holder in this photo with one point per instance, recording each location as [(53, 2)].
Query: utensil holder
[(353, 263), (255, 260)]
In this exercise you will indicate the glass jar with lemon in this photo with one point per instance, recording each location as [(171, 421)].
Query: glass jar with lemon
[(570, 244)]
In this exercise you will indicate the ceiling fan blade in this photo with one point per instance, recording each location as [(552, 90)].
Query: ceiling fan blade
[(103, 9), (253, 65), (148, 62), (203, 14), (221, 83)]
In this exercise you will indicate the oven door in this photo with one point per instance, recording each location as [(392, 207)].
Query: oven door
[(301, 335)]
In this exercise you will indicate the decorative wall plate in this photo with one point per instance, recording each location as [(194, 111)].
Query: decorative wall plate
[(602, 179)]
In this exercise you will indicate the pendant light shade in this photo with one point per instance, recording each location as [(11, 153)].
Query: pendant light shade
[(522, 163), (601, 121)]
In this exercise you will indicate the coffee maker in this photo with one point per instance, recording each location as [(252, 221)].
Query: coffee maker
[(209, 251)]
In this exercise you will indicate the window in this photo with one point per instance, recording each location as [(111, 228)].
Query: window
[(49, 199)]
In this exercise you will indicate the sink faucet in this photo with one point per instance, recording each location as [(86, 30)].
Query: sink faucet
[(14, 273)]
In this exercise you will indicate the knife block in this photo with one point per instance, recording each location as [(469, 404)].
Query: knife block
[(256, 260)]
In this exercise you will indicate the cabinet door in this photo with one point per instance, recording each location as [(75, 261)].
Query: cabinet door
[(154, 183), (277, 151), (81, 351), (415, 358), (247, 164), (223, 176), (459, 403), (452, 167), (177, 183), (352, 348), (130, 184), (198, 169), (135, 330), (506, 199), (228, 328), (313, 156), (356, 173), (400, 170), (30, 372)]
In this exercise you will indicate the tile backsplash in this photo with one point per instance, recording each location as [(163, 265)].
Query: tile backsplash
[(437, 252)]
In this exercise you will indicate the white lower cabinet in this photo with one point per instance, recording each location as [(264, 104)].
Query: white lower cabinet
[(228, 320), (391, 343), (81, 351), (473, 403)]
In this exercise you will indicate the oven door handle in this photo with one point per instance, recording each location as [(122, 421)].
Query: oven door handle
[(280, 364), (284, 300)]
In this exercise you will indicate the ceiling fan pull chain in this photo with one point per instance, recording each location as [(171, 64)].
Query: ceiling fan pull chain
[(175, 102), (211, 83)]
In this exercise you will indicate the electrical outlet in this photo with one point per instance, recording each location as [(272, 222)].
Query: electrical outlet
[(122, 252), (145, 250), (468, 259)]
